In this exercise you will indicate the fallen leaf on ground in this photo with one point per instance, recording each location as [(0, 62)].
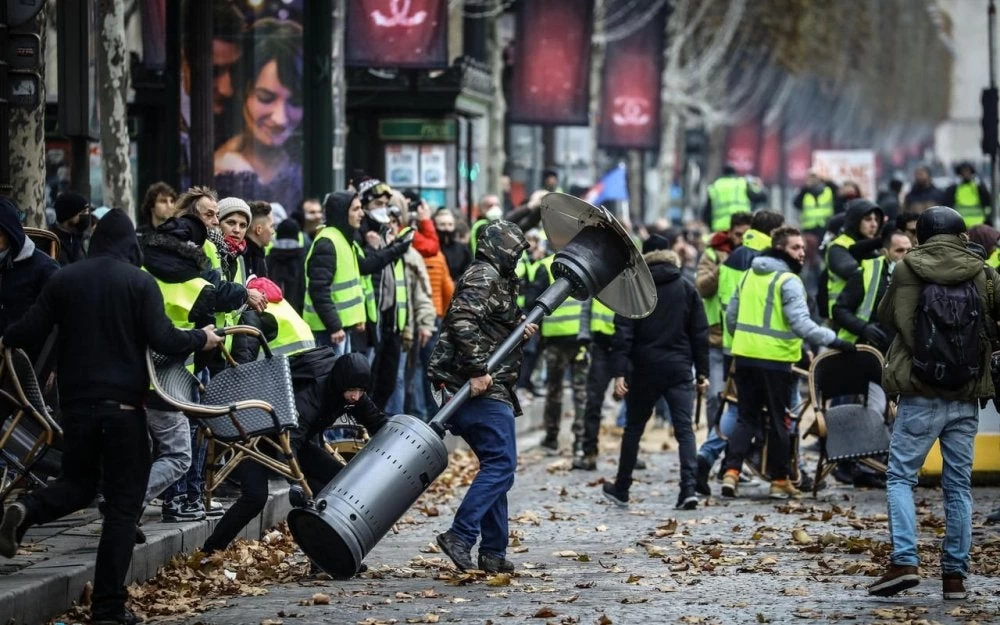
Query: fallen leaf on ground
[(545, 612), (321, 599)]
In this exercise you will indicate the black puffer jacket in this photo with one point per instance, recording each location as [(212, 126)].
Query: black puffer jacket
[(174, 253), (671, 340), (287, 268), (322, 264), (23, 271), (319, 380)]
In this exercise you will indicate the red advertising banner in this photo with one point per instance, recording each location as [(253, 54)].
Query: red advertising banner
[(798, 159), (630, 98), (551, 82), (742, 145), (396, 33), (769, 167)]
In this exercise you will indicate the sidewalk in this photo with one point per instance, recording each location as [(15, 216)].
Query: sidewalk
[(57, 560)]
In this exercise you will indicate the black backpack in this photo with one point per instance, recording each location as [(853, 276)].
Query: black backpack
[(947, 342)]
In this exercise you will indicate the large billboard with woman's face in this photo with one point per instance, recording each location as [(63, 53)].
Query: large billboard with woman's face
[(256, 99)]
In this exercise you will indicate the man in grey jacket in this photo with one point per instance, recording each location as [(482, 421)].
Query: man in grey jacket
[(768, 334)]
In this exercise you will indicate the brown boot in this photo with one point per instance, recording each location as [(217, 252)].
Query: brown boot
[(896, 579), (953, 586)]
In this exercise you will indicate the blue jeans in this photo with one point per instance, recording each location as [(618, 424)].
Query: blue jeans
[(339, 349), (395, 404), (487, 425), (716, 383), (714, 445), (919, 422)]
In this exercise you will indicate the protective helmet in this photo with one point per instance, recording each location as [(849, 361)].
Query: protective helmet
[(939, 220)]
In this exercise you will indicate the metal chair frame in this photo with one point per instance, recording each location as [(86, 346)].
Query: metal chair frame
[(818, 428), (39, 236), (16, 384), (225, 455)]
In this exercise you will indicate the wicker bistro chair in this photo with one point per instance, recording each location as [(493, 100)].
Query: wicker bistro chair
[(27, 429), (858, 430), (44, 240), (246, 412), (343, 441), (757, 461)]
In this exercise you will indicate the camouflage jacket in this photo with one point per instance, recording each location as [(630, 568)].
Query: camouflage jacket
[(482, 314)]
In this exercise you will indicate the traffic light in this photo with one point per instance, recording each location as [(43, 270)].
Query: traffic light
[(990, 121)]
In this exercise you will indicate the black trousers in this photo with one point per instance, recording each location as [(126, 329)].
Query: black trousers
[(318, 466), (385, 369), (758, 389), (598, 379), (105, 445)]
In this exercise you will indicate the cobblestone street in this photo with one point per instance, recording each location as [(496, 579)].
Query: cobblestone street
[(582, 560)]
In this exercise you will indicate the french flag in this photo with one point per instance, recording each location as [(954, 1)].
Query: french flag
[(613, 186)]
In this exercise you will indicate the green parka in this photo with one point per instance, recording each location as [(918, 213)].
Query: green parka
[(942, 259)]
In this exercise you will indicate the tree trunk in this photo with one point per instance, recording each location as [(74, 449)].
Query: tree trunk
[(113, 70), (597, 47), (27, 148), (496, 148), (339, 95)]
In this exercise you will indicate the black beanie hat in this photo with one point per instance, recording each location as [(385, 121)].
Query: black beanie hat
[(656, 242), (69, 205), (287, 229)]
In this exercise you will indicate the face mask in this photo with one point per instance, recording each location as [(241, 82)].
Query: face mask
[(446, 238), (494, 214), (379, 215)]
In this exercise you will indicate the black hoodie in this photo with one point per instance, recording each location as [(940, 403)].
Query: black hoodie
[(664, 346), (319, 379), (842, 261), (24, 270), (108, 312)]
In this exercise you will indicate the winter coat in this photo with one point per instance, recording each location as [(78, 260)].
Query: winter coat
[(920, 198), (108, 312), (287, 269), (425, 238), (482, 314), (850, 300), (70, 245), (442, 286), (23, 272), (706, 279), (794, 307), (419, 302), (942, 259), (171, 257), (458, 255), (255, 260), (672, 339), (319, 379)]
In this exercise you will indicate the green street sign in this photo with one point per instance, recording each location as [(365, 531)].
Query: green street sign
[(414, 129)]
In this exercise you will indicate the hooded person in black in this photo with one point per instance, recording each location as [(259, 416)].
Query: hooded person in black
[(656, 356), (326, 388), (859, 240), (24, 269), (108, 312)]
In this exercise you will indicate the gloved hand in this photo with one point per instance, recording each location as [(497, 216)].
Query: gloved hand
[(842, 345), (875, 336)]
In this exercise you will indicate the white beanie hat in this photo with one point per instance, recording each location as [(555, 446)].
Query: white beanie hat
[(230, 205)]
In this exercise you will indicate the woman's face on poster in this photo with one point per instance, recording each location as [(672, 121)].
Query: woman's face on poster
[(271, 114)]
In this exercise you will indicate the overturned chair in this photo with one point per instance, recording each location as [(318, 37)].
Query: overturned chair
[(858, 429), (246, 412), (27, 429)]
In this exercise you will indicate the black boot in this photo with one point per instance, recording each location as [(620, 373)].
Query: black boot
[(492, 563), (456, 549), (617, 496), (701, 478)]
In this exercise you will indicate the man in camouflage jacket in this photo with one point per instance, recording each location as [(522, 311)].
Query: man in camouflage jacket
[(482, 314)]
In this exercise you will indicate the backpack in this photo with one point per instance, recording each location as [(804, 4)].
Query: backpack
[(947, 340)]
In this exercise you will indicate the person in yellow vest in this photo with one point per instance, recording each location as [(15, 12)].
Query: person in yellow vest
[(857, 241), (599, 375), (987, 237), (490, 210), (769, 319), (564, 341), (335, 305), (969, 196), (706, 282), (538, 248), (755, 241), (854, 308), (728, 195), (173, 254), (388, 291), (815, 200)]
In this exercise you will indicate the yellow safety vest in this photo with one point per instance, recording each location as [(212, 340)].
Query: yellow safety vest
[(213, 254), (294, 334), (564, 320), (474, 234), (178, 300), (728, 195), (762, 331), (816, 211), (346, 290), (834, 283), (399, 273), (602, 318), (713, 307), (729, 281), (967, 204), (525, 272), (994, 259), (270, 246), (871, 276)]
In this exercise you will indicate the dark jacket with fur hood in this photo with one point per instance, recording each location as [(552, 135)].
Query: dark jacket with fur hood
[(671, 340), (172, 254)]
